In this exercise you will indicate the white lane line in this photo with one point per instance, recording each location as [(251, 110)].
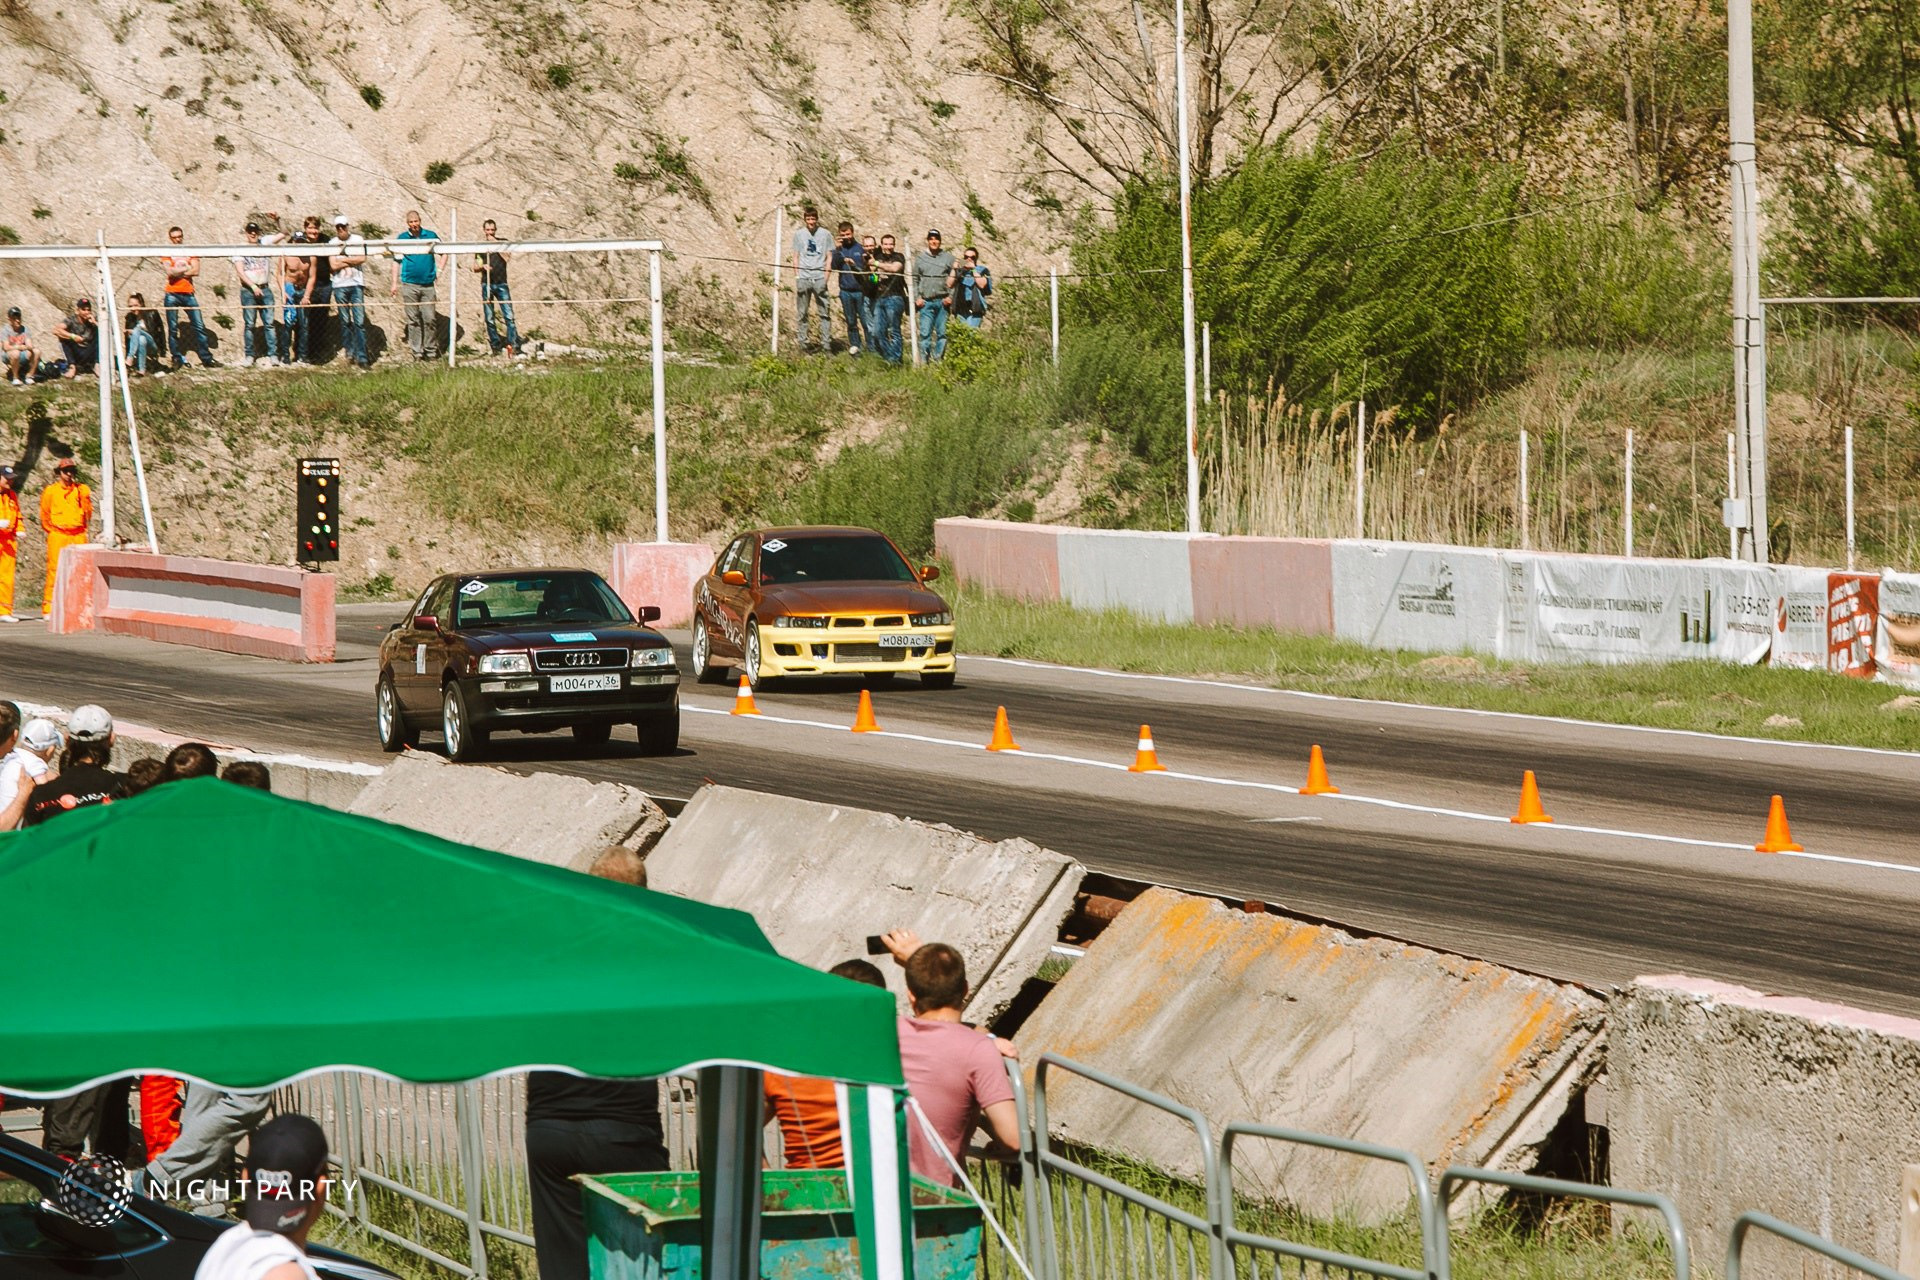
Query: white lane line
[(1422, 706), (1379, 802)]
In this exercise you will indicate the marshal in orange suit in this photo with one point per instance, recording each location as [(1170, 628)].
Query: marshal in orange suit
[(66, 509)]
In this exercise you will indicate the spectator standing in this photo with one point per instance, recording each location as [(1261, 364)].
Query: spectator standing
[(496, 300), (66, 509), (807, 1108), (143, 329), (16, 781), (932, 281), (413, 283), (811, 245), (286, 1194), (890, 299), (31, 757), (84, 778), (205, 1137), (316, 290), (183, 305), (17, 345), (972, 286), (79, 336), (869, 294), (349, 290), (848, 263), (9, 539), (256, 299), (953, 1071)]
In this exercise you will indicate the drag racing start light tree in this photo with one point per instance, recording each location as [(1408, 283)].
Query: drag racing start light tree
[(317, 510)]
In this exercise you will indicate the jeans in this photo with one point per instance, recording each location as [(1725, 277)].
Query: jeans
[(933, 329), (972, 322), (850, 305), (807, 294), (886, 316), (350, 303), (295, 318), (256, 308), (189, 303), (496, 301), (870, 322), (140, 346), (81, 356), (417, 300)]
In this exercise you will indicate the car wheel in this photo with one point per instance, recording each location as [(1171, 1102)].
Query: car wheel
[(592, 735), (464, 742), (938, 679), (750, 664), (704, 670), (660, 734), (395, 735)]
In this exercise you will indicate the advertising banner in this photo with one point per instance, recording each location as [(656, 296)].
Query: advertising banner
[(1799, 618), (1853, 614), (1897, 633), (1610, 609), (1430, 599)]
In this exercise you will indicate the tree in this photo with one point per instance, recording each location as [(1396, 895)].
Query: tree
[(1851, 67)]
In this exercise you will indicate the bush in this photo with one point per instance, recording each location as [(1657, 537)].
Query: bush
[(1109, 379), (371, 95), (560, 75), (438, 172)]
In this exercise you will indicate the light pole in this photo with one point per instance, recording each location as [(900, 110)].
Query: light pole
[(1186, 265), (1749, 316)]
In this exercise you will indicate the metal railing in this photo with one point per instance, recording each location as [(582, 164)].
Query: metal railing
[(1458, 1174), (1754, 1220)]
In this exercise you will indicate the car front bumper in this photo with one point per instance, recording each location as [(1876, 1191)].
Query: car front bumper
[(526, 702), (819, 651)]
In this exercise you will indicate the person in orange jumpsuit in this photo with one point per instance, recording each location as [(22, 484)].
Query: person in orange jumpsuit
[(9, 538), (66, 509)]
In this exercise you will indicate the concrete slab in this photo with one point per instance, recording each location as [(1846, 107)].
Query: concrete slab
[(1266, 1019), (1728, 1100), (1018, 560), (821, 878), (660, 573), (266, 610), (549, 817), (1148, 573), (1283, 583)]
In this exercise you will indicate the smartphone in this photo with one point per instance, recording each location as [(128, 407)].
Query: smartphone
[(876, 945)]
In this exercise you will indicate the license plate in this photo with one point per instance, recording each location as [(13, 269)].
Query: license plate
[(606, 683), (906, 642)]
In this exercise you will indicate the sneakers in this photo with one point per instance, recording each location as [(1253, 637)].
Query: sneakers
[(7, 617), (15, 382), (265, 362)]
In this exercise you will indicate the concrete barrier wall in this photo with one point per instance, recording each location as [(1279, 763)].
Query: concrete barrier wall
[(1017, 560), (660, 573), (548, 817), (1727, 1100), (263, 610), (821, 878), (1150, 574), (1262, 1018), (1283, 583), (1430, 599)]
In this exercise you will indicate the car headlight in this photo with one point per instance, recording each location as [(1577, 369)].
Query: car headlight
[(660, 657), (506, 664), (789, 621), (941, 619)]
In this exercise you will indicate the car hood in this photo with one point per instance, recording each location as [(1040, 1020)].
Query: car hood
[(625, 635), (850, 597)]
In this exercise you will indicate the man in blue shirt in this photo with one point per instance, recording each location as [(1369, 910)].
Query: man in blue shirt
[(848, 262), (413, 277)]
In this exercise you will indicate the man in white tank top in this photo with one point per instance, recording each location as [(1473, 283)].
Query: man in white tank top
[(286, 1192)]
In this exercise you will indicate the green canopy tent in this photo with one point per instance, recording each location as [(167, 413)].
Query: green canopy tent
[(215, 932)]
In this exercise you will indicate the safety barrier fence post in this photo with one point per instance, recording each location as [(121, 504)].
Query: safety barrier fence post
[(1755, 1220), (469, 1150), (1459, 1174)]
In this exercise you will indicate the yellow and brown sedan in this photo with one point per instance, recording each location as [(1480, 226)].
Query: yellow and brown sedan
[(817, 601)]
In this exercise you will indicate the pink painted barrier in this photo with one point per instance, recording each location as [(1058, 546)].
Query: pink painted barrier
[(1283, 583), (660, 573), (1018, 560), (264, 610)]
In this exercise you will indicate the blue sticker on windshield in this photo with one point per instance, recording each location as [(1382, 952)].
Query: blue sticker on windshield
[(570, 637)]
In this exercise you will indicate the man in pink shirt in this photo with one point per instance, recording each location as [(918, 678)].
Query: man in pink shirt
[(953, 1071)]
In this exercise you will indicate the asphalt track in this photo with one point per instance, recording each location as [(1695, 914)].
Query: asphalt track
[(1648, 867)]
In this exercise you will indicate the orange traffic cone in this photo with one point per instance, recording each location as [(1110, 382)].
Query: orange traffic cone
[(1318, 784), (1144, 761), (743, 700), (1002, 735), (1778, 838), (1530, 810), (863, 721)]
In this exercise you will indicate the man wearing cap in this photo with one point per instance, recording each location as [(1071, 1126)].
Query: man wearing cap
[(66, 509), (84, 778), (932, 278), (286, 1192), (350, 290), (79, 336), (413, 279), (31, 758), (16, 344), (180, 297), (9, 539), (256, 299)]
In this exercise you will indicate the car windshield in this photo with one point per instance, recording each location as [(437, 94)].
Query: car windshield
[(31, 1229), (830, 559), (499, 600)]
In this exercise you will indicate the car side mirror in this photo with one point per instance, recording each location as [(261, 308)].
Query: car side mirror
[(649, 613), (929, 572), (426, 622), (734, 578)]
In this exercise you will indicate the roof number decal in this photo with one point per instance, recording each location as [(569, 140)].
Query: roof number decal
[(473, 588), (773, 544)]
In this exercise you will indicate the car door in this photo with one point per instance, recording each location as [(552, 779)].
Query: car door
[(416, 669), (730, 602)]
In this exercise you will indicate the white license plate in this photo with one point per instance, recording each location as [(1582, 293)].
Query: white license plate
[(605, 683), (906, 642)]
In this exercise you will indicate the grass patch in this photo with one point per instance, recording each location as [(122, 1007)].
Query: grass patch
[(1708, 697)]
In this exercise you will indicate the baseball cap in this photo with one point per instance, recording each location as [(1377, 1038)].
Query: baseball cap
[(89, 723), (253, 227), (40, 733), (287, 1157), (83, 302), (8, 473), (13, 312), (339, 219), (66, 464), (935, 234)]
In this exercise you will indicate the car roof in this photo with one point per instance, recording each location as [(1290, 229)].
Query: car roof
[(518, 573), (818, 531)]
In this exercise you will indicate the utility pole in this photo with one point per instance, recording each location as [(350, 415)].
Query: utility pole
[(1748, 512), (1186, 265)]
